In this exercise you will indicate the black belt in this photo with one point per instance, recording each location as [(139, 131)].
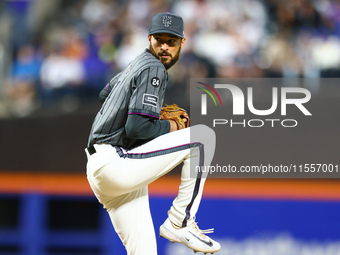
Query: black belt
[(91, 150)]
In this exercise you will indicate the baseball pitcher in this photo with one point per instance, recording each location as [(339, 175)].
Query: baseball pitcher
[(131, 145)]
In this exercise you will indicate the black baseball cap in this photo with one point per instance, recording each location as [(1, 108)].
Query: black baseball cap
[(167, 23)]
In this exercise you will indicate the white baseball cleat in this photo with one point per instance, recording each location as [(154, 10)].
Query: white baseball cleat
[(191, 236)]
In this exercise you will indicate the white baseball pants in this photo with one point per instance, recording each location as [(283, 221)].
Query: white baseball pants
[(120, 179)]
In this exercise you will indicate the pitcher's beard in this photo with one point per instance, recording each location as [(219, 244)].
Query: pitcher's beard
[(167, 64)]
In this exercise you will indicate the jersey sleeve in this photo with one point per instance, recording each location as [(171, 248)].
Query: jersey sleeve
[(148, 94), (140, 127)]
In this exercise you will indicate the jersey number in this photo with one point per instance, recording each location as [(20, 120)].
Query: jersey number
[(155, 81)]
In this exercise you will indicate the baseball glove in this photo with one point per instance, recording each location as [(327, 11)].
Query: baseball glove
[(173, 112)]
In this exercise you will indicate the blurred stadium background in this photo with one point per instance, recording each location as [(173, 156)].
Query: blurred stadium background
[(56, 55)]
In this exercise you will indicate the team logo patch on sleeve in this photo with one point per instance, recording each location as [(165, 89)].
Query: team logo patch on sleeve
[(149, 99), (155, 81)]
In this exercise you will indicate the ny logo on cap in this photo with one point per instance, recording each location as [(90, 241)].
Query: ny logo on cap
[(167, 21)]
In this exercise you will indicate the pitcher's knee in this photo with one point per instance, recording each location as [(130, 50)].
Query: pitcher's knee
[(202, 133)]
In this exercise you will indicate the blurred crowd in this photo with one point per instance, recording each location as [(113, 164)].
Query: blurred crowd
[(56, 55)]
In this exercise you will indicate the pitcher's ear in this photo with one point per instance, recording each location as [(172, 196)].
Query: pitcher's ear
[(182, 43)]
